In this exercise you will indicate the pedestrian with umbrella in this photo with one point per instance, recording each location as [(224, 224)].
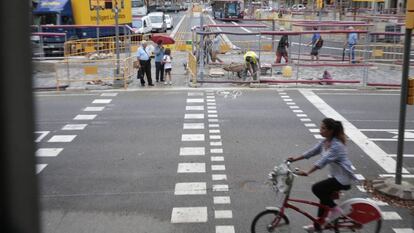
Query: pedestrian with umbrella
[(159, 66)]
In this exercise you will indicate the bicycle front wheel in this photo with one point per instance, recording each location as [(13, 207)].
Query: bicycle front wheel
[(347, 225), (270, 221)]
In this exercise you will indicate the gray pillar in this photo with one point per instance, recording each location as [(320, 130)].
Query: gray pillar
[(19, 209)]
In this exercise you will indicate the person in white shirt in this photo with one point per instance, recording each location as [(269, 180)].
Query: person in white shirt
[(167, 60)]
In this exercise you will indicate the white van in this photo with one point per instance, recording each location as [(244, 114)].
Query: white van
[(158, 21), (141, 25)]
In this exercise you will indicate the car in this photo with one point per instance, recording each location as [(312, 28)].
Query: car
[(158, 21), (169, 21), (298, 7), (141, 25)]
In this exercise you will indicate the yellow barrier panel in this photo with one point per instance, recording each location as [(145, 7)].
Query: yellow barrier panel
[(267, 47), (90, 70), (89, 49), (377, 53), (224, 48)]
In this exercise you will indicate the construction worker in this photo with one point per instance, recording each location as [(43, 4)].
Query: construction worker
[(252, 63)]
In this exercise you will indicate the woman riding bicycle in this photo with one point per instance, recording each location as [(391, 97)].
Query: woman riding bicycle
[(334, 154)]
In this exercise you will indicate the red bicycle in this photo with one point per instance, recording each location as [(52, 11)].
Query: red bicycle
[(359, 215)]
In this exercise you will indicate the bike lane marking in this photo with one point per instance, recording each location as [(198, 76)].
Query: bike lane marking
[(360, 139), (54, 152), (192, 136)]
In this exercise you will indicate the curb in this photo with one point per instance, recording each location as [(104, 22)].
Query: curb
[(387, 186)]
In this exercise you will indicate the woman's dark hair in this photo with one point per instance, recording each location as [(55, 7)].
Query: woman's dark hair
[(336, 127), (167, 51)]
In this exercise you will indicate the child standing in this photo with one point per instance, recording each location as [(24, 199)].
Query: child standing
[(167, 66)]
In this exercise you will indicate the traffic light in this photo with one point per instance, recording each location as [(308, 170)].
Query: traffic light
[(410, 98)]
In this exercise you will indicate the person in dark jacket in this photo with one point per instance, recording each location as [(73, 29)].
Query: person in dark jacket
[(282, 48)]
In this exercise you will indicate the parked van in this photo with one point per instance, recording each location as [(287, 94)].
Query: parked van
[(141, 25), (158, 21)]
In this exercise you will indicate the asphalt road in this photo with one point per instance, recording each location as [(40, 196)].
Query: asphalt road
[(139, 161)]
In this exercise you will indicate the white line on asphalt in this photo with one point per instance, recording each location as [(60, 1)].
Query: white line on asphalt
[(194, 108), (211, 111), (189, 214), (211, 97), (93, 109), (211, 107), (48, 152), (212, 104), (195, 100), (360, 177), (297, 111), (192, 137), (393, 175), (192, 151), (318, 136), (314, 130), (390, 215), (293, 107), (192, 188), (389, 139), (214, 131), (212, 120), (301, 115), (223, 214), (195, 93), (310, 125), (221, 200), (102, 101), (353, 94), (217, 158), (215, 137), (385, 130), (218, 167), (305, 119), (287, 100), (62, 138), (84, 117), (285, 96), (404, 155), (360, 139), (216, 151), (193, 126), (194, 116), (42, 135), (219, 143), (225, 37), (403, 230), (220, 188), (213, 125), (191, 168), (212, 115), (109, 94), (216, 177), (243, 28), (211, 100), (177, 26), (40, 167), (290, 103), (361, 188), (225, 229)]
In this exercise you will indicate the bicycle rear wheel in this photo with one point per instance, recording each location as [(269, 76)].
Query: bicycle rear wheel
[(270, 221), (347, 225)]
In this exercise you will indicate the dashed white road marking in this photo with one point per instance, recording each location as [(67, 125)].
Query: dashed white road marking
[(40, 167), (84, 117), (194, 188), (310, 125), (216, 143), (102, 101), (191, 168), (360, 139), (109, 94), (391, 215), (193, 126), (393, 175), (192, 151), (211, 97), (287, 100), (42, 135), (360, 177), (216, 151), (194, 108), (195, 94), (293, 107), (74, 127), (314, 130), (215, 137), (318, 136), (213, 125), (404, 155), (301, 115), (212, 115), (194, 116), (217, 158), (225, 229), (189, 214), (221, 200), (361, 188), (211, 107), (218, 167), (403, 230), (214, 131), (212, 111), (192, 137), (195, 100), (212, 120), (216, 177), (220, 188), (297, 111), (290, 103), (48, 152), (62, 138), (211, 104), (211, 100), (94, 109), (305, 119), (223, 214)]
